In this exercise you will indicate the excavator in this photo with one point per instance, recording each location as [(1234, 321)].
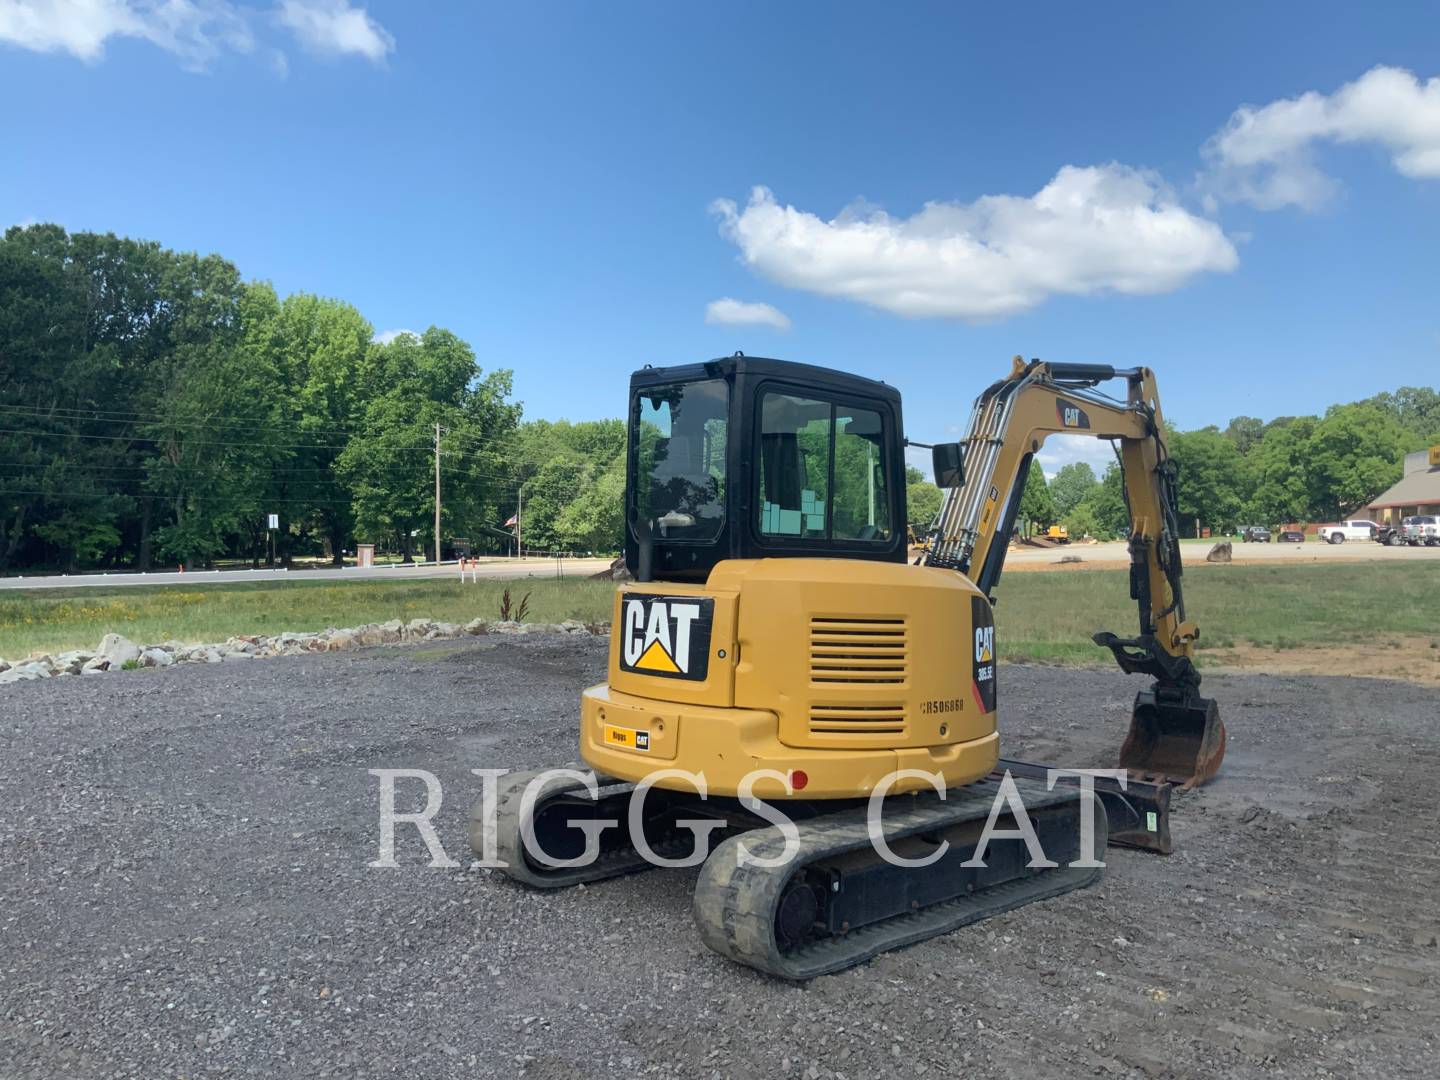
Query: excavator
[(776, 650)]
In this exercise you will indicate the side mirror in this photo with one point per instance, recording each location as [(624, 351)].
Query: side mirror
[(949, 463)]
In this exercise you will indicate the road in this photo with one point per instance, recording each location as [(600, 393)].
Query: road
[(1116, 554), (1024, 558), (185, 890), (497, 569)]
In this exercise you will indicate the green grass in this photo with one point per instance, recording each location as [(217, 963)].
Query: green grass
[(1047, 616), (53, 620), (1050, 615)]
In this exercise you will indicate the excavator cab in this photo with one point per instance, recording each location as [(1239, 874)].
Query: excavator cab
[(750, 458)]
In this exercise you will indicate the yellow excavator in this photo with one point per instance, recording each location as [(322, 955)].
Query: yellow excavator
[(776, 642)]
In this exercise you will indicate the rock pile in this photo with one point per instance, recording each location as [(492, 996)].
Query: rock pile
[(117, 653)]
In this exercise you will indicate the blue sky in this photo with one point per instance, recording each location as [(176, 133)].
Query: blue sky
[(543, 179)]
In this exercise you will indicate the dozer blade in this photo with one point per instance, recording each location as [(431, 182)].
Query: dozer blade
[(1177, 737)]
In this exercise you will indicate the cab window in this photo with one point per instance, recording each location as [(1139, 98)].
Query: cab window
[(822, 472), (680, 459)]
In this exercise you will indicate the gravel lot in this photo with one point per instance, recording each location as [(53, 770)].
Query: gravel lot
[(184, 892)]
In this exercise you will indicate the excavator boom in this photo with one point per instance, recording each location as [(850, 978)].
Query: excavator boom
[(1175, 733)]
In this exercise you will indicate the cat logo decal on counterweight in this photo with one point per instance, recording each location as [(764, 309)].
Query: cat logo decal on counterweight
[(668, 636), (982, 620)]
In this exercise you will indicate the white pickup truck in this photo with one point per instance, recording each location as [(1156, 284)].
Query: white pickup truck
[(1347, 530), (1422, 529)]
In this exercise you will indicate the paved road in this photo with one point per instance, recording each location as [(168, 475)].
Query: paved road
[(499, 568)]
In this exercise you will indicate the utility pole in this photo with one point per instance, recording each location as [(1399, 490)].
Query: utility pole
[(519, 511), (437, 494)]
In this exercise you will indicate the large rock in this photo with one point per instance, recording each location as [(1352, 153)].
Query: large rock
[(26, 672), (154, 657), (340, 639), (69, 663), (1220, 553), (476, 626), (118, 650), (617, 571)]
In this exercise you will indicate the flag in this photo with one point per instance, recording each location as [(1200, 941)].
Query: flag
[(514, 520)]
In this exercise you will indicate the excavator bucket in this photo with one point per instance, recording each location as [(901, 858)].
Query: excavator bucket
[(1175, 736)]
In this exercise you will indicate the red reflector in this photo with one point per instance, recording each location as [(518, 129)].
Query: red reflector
[(798, 779)]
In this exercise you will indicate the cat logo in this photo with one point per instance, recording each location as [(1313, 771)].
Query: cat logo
[(984, 644), (1071, 415), (667, 636)]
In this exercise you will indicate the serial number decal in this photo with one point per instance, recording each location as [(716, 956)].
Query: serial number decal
[(941, 705)]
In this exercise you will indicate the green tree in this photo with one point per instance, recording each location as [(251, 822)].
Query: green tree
[(562, 465), (1103, 513), (1211, 479), (320, 347), (1245, 432), (1071, 484), (1353, 455), (1037, 509), (922, 498), (411, 384), (1415, 408), (1280, 490)]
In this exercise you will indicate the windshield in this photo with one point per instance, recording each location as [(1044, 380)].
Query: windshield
[(680, 459)]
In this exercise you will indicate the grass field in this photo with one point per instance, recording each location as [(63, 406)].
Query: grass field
[(1041, 616), (1050, 616), (57, 619)]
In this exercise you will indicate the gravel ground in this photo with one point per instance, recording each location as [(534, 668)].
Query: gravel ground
[(184, 892)]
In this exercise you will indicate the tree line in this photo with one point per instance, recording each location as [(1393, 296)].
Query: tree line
[(1290, 470), (156, 408)]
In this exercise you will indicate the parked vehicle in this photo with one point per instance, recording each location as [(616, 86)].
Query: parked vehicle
[(1255, 534), (1059, 533), (1422, 529), (1359, 529), (1390, 535), (1292, 536)]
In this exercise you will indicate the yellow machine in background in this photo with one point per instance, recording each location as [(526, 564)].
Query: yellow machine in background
[(1058, 533), (777, 641)]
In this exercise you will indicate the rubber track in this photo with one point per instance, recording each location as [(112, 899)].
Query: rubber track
[(735, 905), (510, 845)]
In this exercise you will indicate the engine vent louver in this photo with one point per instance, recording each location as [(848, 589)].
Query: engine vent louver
[(858, 653)]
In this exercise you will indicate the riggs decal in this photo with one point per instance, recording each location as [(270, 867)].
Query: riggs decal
[(982, 619), (667, 636), (1071, 415)]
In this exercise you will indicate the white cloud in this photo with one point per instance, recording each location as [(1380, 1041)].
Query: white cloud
[(1089, 230), (385, 337), (334, 27), (1265, 156), (1062, 450), (194, 30), (730, 312)]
